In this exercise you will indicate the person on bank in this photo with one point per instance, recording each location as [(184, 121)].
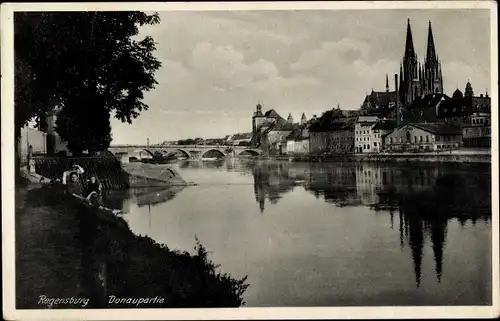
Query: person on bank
[(94, 191), (75, 169), (74, 187)]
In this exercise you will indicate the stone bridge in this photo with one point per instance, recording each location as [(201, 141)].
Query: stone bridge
[(188, 151)]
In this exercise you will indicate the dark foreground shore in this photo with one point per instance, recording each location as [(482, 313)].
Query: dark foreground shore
[(65, 250)]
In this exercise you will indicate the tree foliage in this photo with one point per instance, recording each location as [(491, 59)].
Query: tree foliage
[(91, 62)]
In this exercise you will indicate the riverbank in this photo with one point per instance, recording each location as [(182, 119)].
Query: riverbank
[(434, 157), (96, 256), (112, 174)]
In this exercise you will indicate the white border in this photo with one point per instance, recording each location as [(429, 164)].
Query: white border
[(7, 143)]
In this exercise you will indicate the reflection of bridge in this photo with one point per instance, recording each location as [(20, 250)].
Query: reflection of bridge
[(189, 151)]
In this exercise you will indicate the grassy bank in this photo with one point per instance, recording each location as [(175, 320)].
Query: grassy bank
[(115, 262)]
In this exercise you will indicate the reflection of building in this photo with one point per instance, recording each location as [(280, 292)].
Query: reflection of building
[(271, 181), (424, 137), (368, 182), (427, 197), (337, 184)]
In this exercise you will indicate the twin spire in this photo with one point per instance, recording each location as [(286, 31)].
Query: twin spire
[(410, 49), (431, 50)]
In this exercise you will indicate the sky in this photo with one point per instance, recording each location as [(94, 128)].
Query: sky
[(217, 65)]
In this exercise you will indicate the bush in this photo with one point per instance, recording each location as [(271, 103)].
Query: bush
[(137, 266)]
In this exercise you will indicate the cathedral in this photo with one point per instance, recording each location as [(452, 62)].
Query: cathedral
[(417, 79)]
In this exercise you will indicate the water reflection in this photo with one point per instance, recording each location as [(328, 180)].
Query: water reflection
[(271, 182), (426, 196), (408, 208)]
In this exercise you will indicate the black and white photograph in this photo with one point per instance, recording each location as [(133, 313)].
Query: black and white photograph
[(225, 160)]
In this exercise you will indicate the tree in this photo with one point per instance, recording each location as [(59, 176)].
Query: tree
[(73, 124), (92, 62)]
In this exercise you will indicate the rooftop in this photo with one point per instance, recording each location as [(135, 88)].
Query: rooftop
[(367, 119), (385, 124), (272, 114), (438, 128)]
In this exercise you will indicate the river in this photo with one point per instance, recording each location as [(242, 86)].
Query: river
[(332, 234)]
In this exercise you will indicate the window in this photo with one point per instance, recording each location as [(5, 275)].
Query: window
[(400, 139), (415, 139), (421, 139), (391, 140), (375, 144), (426, 138)]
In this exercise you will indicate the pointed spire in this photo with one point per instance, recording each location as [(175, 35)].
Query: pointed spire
[(386, 82), (409, 49), (431, 50), (290, 118), (438, 238)]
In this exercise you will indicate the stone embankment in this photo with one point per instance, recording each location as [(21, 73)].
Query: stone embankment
[(458, 156)]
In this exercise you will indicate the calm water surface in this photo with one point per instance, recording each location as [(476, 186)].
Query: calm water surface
[(332, 234)]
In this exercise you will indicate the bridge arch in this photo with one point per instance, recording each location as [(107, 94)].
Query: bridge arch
[(177, 151), (217, 152), (250, 152), (147, 151)]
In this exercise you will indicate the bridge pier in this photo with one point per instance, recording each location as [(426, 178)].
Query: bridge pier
[(124, 159)]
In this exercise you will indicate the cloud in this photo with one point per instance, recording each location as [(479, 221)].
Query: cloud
[(344, 70), (345, 50), (226, 66), (457, 73)]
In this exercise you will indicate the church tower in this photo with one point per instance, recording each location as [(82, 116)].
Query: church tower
[(409, 81), (432, 81), (417, 79), (258, 118), (469, 92)]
